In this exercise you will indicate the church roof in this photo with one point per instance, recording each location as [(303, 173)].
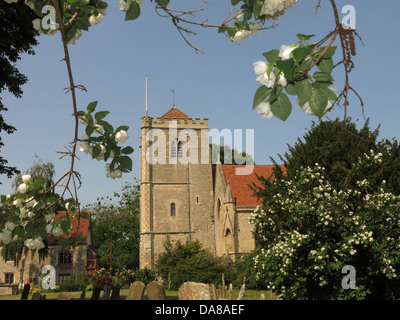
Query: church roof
[(175, 113), (239, 184)]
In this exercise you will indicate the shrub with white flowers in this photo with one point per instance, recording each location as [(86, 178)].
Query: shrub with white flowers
[(308, 231)]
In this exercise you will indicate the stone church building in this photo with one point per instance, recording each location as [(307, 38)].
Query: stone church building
[(185, 197)]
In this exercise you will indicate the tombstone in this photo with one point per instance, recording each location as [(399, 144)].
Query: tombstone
[(36, 296), (96, 293), (242, 292), (136, 291), (25, 292), (115, 293), (43, 297), (155, 291), (194, 291), (83, 295), (213, 292), (230, 292), (64, 296), (262, 296), (106, 293)]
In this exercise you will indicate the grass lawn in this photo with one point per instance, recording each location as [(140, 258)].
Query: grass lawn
[(171, 295)]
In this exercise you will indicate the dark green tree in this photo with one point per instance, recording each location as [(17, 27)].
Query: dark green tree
[(115, 225), (17, 36)]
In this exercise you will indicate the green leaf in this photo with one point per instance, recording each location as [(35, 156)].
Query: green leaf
[(133, 11), (37, 183), (286, 66), (84, 215), (235, 2), (281, 107), (125, 164), (304, 37), (331, 51), (304, 91), (326, 65), (329, 93), (272, 56), (322, 77), (262, 93), (66, 226), (63, 243), (108, 128), (96, 150), (318, 102), (127, 150), (125, 128), (71, 31), (91, 106), (100, 115), (89, 130), (300, 52)]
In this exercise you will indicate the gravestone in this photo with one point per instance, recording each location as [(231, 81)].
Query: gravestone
[(213, 292), (136, 291), (25, 292), (230, 292), (64, 296), (155, 291), (242, 292), (83, 295), (96, 293), (262, 296), (107, 292), (194, 291), (36, 296), (115, 293)]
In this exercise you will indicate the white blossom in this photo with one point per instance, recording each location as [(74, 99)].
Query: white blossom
[(22, 188), (264, 109), (121, 136)]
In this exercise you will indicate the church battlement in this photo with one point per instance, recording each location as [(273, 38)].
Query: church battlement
[(182, 122)]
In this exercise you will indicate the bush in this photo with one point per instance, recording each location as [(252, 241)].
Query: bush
[(145, 275), (102, 282), (245, 268), (190, 262), (76, 282)]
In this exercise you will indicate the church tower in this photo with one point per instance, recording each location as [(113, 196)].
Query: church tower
[(176, 182)]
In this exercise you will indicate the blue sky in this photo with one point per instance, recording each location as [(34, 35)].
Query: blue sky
[(113, 58)]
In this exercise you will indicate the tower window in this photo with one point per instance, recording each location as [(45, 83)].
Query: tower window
[(173, 149), (173, 210), (180, 151), (197, 199)]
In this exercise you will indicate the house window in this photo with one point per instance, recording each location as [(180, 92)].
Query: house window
[(65, 257), (173, 210), (63, 277), (9, 278)]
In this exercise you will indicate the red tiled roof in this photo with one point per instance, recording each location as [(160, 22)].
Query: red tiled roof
[(239, 184), (175, 113), (77, 228)]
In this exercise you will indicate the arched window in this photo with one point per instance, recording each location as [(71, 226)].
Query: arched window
[(173, 149), (180, 151), (173, 210)]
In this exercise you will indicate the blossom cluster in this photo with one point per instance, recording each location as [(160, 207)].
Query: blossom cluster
[(310, 230), (21, 211), (273, 9)]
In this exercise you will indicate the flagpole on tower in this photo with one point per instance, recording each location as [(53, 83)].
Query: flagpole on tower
[(146, 96)]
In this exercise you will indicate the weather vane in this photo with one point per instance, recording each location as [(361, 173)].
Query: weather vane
[(173, 98)]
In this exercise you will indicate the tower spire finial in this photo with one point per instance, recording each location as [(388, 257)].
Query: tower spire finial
[(173, 98)]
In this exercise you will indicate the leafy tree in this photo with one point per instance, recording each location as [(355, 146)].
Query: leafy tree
[(336, 146), (17, 36), (39, 170), (116, 221), (227, 155), (310, 230)]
